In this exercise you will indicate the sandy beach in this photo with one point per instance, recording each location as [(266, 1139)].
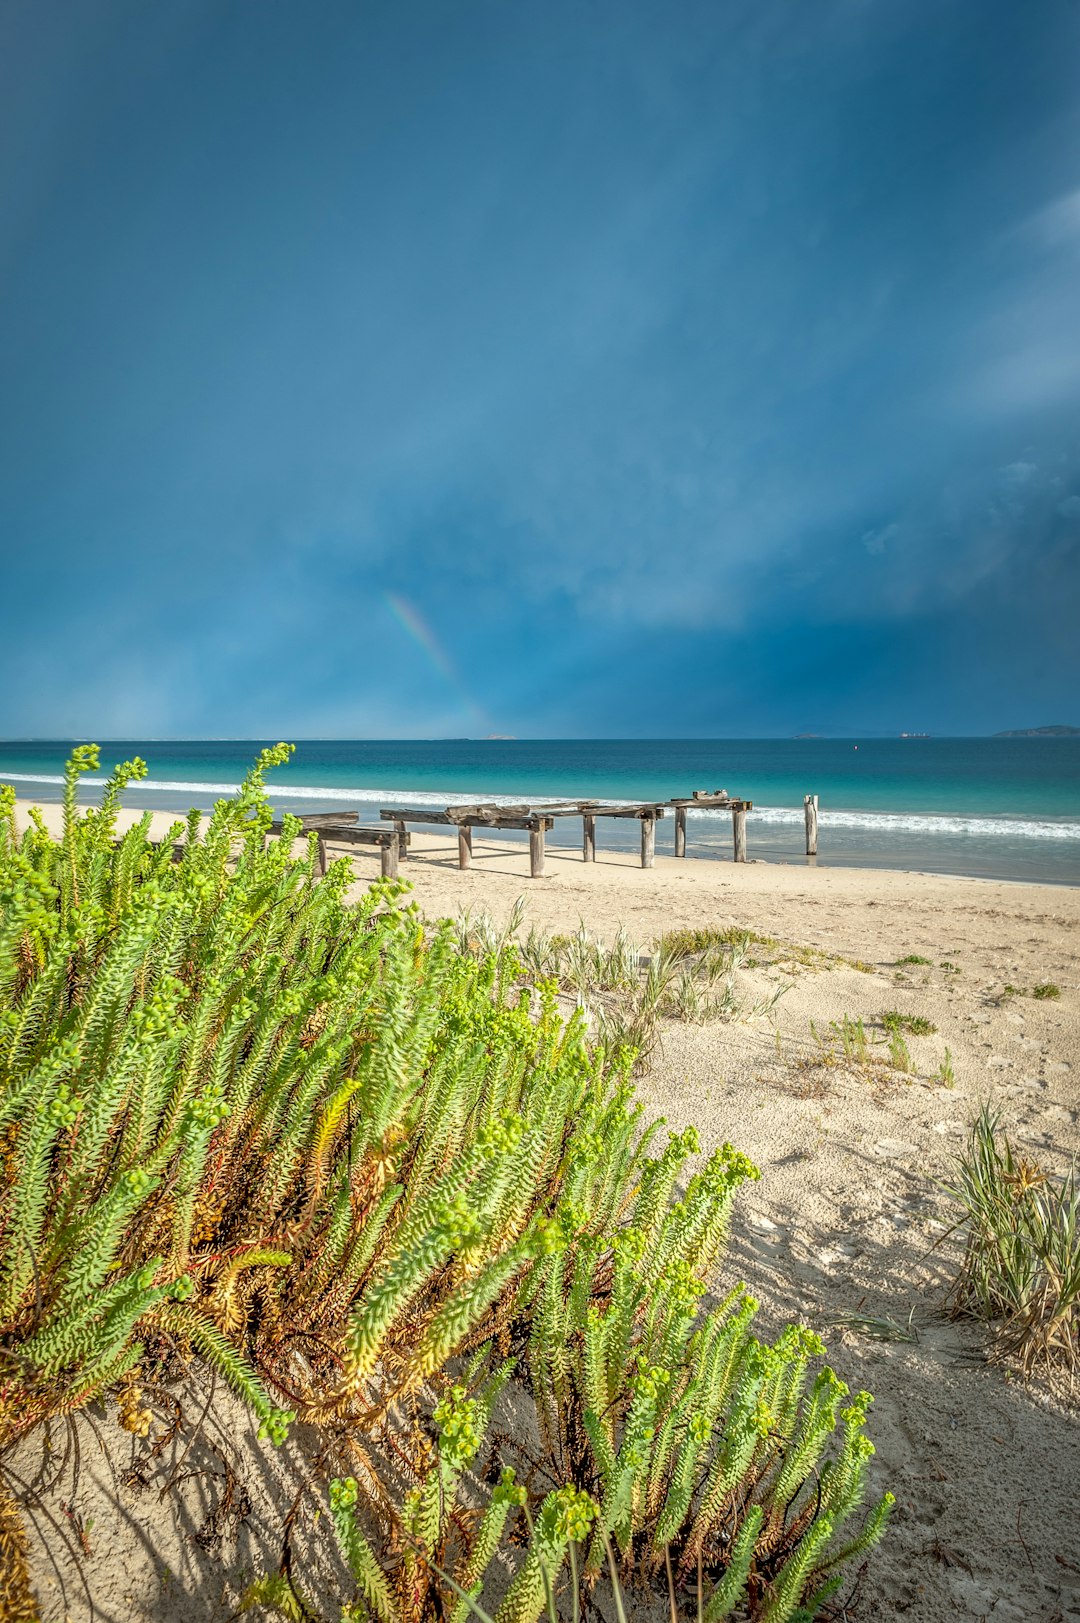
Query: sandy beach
[(847, 1220)]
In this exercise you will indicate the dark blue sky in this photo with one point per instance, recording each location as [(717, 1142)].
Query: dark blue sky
[(546, 368)]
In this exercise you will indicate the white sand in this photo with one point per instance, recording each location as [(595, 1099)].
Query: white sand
[(986, 1470)]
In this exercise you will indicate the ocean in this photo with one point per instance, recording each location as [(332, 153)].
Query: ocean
[(1004, 808)]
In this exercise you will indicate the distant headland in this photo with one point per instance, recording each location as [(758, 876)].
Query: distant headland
[(1041, 732)]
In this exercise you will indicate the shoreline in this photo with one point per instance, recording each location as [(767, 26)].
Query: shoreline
[(435, 844)]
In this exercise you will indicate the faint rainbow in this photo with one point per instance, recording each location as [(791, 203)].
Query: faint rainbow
[(412, 622)]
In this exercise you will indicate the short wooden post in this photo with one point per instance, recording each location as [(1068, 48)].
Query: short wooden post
[(389, 856), (810, 807), (536, 850), (648, 842), (403, 846), (320, 858), (588, 838), (738, 822), (680, 831), (464, 847)]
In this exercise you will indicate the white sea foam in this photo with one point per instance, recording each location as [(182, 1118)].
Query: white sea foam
[(939, 824)]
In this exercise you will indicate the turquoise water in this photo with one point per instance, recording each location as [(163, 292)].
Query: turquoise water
[(1007, 808)]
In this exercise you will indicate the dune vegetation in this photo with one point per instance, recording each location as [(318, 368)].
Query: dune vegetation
[(382, 1185)]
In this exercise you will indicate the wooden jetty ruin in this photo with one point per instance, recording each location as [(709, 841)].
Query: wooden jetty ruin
[(537, 819)]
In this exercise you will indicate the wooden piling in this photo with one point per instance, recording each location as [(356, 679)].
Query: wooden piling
[(588, 838), (403, 848), (320, 858), (810, 807), (388, 856), (680, 831), (464, 847), (738, 822), (648, 842), (536, 850)]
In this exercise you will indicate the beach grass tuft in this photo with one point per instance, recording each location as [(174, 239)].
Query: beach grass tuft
[(1021, 1264), (896, 1023)]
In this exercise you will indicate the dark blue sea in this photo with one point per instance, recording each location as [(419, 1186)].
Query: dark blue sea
[(990, 807)]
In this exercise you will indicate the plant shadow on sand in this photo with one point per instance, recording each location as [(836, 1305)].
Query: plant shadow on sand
[(126, 1527), (982, 1463)]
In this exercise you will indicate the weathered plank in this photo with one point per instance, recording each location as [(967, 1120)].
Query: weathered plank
[(406, 814), (352, 834), (311, 820), (649, 809), (810, 807), (723, 802), (497, 819)]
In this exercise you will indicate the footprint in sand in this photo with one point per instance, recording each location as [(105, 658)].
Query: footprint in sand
[(765, 1230), (829, 1258), (894, 1148)]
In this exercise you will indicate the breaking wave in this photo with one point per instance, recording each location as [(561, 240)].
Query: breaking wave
[(942, 824)]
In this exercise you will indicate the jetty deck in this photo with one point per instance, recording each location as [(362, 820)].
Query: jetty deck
[(536, 818)]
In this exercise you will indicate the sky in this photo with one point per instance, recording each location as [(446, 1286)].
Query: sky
[(553, 369)]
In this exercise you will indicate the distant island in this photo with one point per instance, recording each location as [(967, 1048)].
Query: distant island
[(1041, 732)]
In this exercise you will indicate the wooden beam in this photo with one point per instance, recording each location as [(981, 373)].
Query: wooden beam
[(648, 842), (388, 855), (738, 821), (351, 835), (515, 816), (649, 809), (536, 849), (464, 847), (810, 807), (406, 814), (312, 820), (493, 819), (588, 837), (708, 802), (403, 839), (680, 831)]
